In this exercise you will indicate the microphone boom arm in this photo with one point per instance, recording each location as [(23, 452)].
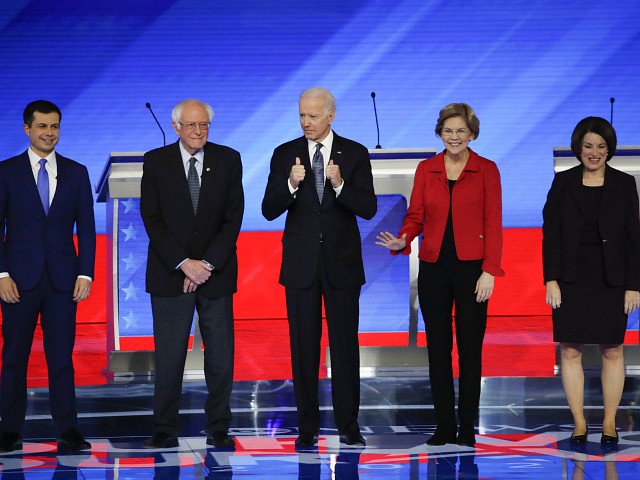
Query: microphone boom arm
[(375, 111), (164, 138)]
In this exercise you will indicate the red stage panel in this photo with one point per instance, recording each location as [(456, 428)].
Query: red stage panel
[(521, 291), (259, 296), (518, 340)]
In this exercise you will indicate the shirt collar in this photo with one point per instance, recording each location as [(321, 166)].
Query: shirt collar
[(326, 143), (186, 155), (34, 159)]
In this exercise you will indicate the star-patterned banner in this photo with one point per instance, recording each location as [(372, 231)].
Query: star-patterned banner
[(383, 303)]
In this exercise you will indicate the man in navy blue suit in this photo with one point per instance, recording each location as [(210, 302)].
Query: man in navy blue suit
[(43, 196)]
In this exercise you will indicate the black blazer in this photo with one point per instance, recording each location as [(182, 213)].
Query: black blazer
[(618, 225), (176, 233), (334, 221)]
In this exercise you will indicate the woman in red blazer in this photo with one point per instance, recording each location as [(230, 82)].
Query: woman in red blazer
[(456, 204)]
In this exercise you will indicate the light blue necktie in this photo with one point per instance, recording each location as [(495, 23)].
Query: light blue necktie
[(43, 185), (318, 170)]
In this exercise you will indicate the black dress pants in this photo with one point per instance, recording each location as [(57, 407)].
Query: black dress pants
[(304, 309), (172, 319), (440, 286)]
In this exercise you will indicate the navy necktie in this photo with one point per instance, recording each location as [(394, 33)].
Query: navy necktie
[(194, 184), (43, 185), (318, 170)]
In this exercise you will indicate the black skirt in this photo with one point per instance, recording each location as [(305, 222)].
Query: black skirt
[(591, 311)]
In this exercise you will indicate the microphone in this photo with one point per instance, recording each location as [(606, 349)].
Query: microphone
[(375, 111), (611, 100), (164, 139)]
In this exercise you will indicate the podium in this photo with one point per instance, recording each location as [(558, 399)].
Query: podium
[(393, 174), (118, 184), (128, 305), (626, 159)]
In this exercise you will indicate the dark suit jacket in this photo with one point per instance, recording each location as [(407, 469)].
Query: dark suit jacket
[(618, 225), (308, 221), (176, 233), (35, 241)]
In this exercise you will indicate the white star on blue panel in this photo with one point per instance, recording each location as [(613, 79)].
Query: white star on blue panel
[(130, 320), (129, 233), (129, 205), (131, 292), (131, 262)]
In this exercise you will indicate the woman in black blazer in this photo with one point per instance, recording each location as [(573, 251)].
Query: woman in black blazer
[(591, 259)]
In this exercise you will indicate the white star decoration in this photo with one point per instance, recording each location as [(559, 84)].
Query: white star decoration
[(131, 262), (129, 233), (130, 291), (129, 205), (130, 320)]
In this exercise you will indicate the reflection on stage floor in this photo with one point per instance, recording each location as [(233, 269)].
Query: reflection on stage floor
[(524, 433)]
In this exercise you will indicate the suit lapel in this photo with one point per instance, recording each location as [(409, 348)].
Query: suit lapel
[(62, 180), (305, 160), (303, 153), (25, 177), (210, 169), (575, 187), (175, 169), (610, 186), (436, 167), (337, 152)]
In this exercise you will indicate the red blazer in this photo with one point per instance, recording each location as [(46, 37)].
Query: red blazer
[(477, 212)]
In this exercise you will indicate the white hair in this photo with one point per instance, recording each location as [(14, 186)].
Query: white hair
[(319, 92), (177, 110)]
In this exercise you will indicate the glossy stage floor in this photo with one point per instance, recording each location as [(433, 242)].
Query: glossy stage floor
[(523, 434)]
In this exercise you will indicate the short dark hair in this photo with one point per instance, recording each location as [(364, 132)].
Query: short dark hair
[(463, 111), (596, 125), (40, 106)]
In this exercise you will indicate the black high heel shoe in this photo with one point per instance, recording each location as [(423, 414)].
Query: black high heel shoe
[(580, 439), (609, 440)]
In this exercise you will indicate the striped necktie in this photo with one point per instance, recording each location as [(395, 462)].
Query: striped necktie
[(318, 170), (194, 183)]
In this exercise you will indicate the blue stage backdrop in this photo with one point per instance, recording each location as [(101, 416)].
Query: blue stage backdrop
[(531, 69)]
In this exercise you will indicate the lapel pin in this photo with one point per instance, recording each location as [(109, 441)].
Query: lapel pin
[(208, 169)]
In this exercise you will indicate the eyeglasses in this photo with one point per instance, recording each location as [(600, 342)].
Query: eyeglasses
[(192, 126), (461, 132)]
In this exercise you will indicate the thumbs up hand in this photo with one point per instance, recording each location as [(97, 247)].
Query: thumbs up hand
[(297, 173), (333, 174)]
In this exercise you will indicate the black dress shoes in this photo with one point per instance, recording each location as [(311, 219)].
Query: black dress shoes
[(10, 441), (220, 440), (466, 436), (442, 436), (72, 441), (354, 439), (609, 440), (580, 439), (306, 441), (161, 440)]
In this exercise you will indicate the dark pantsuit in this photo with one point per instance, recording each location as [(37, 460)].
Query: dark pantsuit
[(19, 320), (440, 285), (172, 320), (304, 309)]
